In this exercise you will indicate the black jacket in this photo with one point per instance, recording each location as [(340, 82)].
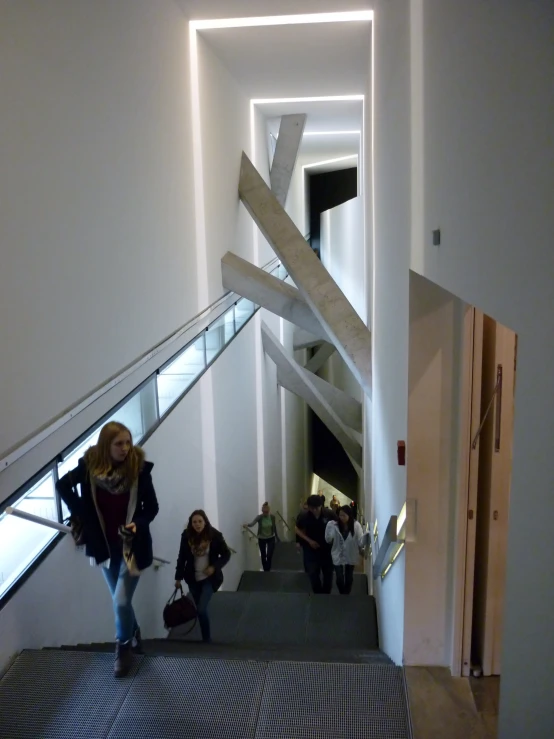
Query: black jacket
[(314, 528), (218, 557), (84, 507)]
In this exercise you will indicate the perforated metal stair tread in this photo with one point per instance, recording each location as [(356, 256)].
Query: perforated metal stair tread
[(258, 652), (61, 695), (291, 619), (287, 581), (72, 695)]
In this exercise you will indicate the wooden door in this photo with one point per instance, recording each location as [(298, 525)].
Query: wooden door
[(495, 465), (474, 342)]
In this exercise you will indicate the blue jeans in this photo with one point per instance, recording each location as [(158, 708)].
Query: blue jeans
[(202, 593), (122, 587)]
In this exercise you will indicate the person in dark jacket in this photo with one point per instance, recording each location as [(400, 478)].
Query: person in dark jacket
[(267, 535), (115, 508), (202, 555), (310, 527)]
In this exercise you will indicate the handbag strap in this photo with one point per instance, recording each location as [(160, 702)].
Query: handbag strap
[(172, 598)]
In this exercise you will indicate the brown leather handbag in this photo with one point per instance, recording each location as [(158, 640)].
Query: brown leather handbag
[(179, 611)]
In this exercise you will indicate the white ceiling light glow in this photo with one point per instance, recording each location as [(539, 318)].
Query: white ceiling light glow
[(322, 99), (331, 133), (330, 161), (283, 20)]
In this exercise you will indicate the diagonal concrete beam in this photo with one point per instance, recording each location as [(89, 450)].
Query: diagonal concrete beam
[(302, 339), (253, 283), (295, 379), (320, 357), (347, 408), (338, 318), (291, 131)]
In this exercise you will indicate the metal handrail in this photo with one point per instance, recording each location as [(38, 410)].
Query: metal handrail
[(389, 538), (55, 525), (38, 519), (283, 520), (245, 528)]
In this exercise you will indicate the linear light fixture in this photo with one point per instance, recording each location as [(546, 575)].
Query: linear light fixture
[(317, 99), (284, 20), (330, 161), (401, 520), (399, 548), (332, 133)]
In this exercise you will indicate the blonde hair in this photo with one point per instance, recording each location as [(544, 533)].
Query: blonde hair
[(99, 460)]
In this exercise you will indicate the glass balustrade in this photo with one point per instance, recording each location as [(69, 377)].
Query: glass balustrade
[(23, 541)]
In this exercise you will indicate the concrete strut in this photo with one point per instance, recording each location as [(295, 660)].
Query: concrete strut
[(340, 321), (300, 382), (244, 278), (291, 131), (347, 408), (302, 339), (320, 357)]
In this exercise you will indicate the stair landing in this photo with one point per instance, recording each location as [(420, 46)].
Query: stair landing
[(58, 694)]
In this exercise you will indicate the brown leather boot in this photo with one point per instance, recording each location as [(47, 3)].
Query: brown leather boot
[(123, 659)]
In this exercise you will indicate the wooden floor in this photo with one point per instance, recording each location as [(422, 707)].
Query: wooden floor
[(486, 691), (442, 706)]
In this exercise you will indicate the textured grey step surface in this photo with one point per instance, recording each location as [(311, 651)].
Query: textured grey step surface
[(286, 557), (54, 694), (260, 652), (291, 619), (291, 582)]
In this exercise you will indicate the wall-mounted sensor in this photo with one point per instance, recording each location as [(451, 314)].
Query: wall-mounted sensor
[(437, 237)]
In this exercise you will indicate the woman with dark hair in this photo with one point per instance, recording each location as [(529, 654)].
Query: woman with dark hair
[(115, 508), (202, 555), (345, 537)]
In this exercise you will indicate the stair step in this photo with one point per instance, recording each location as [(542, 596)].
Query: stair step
[(287, 581), (291, 619), (286, 557), (71, 693), (256, 652)]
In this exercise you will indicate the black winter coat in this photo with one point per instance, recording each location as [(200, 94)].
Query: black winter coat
[(218, 557), (84, 507)]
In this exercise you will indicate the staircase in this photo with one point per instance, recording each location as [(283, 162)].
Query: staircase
[(284, 665)]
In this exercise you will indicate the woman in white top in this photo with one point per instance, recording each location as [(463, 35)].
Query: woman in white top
[(345, 537)]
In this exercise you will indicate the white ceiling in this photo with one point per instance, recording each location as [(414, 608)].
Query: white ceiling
[(322, 116), (296, 60), (203, 9), (289, 61)]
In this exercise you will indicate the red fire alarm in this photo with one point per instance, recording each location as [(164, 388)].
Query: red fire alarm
[(401, 451)]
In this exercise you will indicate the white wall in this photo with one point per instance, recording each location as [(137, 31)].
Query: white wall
[(298, 451), (390, 297), (342, 250), (296, 202), (487, 114), (225, 134), (236, 460), (433, 423), (96, 197)]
